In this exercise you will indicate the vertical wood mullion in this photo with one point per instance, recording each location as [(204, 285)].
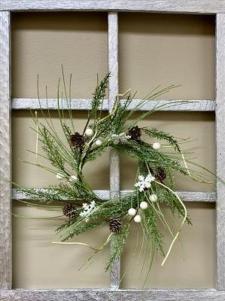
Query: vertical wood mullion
[(113, 91), (220, 136), (5, 155)]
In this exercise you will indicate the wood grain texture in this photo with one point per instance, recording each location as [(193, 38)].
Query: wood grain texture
[(113, 92), (187, 196), (178, 6), (220, 131), (112, 295), (85, 104), (5, 154)]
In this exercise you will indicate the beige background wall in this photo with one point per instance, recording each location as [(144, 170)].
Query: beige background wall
[(154, 49)]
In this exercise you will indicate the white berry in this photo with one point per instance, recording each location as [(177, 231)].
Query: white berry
[(156, 145), (144, 205), (89, 132), (98, 142), (137, 218), (132, 211), (153, 198)]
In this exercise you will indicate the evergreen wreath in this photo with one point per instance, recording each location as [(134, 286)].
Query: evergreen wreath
[(154, 188)]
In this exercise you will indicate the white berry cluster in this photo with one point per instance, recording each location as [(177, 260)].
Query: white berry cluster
[(144, 182), (133, 212), (89, 133), (87, 209), (143, 206)]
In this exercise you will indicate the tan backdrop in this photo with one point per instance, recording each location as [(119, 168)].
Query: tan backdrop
[(154, 49)]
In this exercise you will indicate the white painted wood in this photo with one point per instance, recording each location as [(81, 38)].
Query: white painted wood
[(5, 154), (187, 196), (113, 92), (220, 136), (113, 295), (52, 104), (85, 104), (178, 6), (173, 105)]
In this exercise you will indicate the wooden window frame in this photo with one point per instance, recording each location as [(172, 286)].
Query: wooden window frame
[(112, 7)]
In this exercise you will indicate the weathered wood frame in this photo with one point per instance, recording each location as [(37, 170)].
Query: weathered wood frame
[(216, 7)]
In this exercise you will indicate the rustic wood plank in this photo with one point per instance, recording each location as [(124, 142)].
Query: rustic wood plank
[(5, 154), (187, 196), (220, 130), (85, 104), (113, 295), (178, 6), (113, 92)]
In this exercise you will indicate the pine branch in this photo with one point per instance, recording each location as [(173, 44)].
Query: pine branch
[(118, 243), (152, 230), (70, 159), (160, 135)]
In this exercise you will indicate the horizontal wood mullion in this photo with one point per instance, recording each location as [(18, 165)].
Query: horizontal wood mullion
[(139, 104), (187, 196)]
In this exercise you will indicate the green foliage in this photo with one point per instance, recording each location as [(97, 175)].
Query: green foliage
[(70, 159), (152, 231), (99, 95), (160, 135), (50, 147), (118, 243), (145, 153), (102, 214)]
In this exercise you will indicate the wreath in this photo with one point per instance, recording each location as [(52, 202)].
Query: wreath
[(154, 188)]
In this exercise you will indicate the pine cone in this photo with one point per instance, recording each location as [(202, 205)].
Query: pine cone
[(115, 225), (77, 140), (70, 211), (160, 174), (135, 133)]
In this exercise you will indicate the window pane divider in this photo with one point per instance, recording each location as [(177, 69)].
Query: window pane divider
[(114, 157), (187, 196), (197, 105)]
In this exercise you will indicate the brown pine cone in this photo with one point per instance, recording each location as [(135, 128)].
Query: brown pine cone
[(115, 225), (77, 140), (160, 174), (70, 211), (135, 133)]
